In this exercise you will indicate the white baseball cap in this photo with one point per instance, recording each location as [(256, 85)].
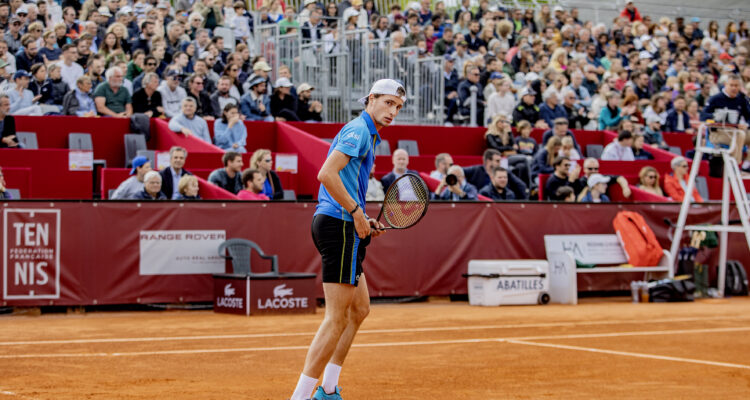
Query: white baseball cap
[(283, 82), (386, 86), (597, 178)]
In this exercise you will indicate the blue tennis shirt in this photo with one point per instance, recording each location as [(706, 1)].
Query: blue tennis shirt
[(358, 140)]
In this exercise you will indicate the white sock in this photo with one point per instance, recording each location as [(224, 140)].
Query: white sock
[(304, 388), (331, 377)]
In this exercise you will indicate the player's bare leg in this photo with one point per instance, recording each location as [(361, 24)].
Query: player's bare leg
[(358, 310)]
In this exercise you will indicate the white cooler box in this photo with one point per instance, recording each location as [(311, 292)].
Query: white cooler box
[(506, 282)]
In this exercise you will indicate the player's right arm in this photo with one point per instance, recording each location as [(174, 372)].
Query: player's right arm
[(329, 177)]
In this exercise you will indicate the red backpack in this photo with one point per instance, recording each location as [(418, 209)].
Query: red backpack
[(637, 239)]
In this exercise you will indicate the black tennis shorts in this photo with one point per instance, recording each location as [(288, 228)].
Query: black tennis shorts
[(340, 248)]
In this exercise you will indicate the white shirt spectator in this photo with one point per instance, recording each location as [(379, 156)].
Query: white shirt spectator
[(501, 104), (70, 73), (615, 152)]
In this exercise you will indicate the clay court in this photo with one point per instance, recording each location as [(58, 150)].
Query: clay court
[(600, 349)]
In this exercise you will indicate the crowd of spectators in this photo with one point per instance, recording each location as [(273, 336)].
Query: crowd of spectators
[(542, 68)]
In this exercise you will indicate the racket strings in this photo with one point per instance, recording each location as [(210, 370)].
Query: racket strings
[(405, 202)]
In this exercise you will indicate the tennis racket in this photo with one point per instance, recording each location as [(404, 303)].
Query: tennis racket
[(405, 202)]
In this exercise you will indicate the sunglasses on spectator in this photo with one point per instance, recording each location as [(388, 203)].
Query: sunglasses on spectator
[(267, 160), (151, 64), (651, 176), (592, 168), (561, 123), (198, 82)]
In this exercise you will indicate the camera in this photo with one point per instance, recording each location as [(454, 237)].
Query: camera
[(451, 179)]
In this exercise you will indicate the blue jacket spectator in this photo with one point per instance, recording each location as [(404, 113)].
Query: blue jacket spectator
[(255, 105), (230, 132), (674, 124), (550, 110)]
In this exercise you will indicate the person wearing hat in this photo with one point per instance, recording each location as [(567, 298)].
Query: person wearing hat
[(134, 184), (595, 191), (340, 212), (308, 109), (501, 101), (526, 110), (22, 100), (356, 10), (260, 69), (13, 34), (283, 104), (307, 8), (172, 93), (631, 12), (255, 104)]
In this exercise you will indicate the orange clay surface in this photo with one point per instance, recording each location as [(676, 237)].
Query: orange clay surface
[(600, 349)]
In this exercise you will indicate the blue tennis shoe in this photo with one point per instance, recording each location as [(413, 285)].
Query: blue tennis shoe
[(320, 394)]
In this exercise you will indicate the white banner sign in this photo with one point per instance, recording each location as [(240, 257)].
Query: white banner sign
[(286, 163), (181, 252), (162, 160), (587, 249), (80, 160)]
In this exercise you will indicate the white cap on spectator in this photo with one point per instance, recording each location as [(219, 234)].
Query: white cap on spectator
[(644, 54), (283, 82), (597, 178), (558, 8), (23, 10), (163, 5), (308, 2), (350, 12), (303, 87), (531, 77), (126, 10), (386, 86), (104, 11)]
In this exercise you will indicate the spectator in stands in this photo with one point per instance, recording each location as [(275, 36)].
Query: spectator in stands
[(479, 175), (8, 127), (149, 65), (375, 190), (4, 193), (568, 149), (58, 87), (400, 161), (525, 144), (152, 187), (676, 182), (210, 10), (560, 129), (147, 100), (497, 190), (22, 100), (130, 187), (253, 182), (78, 101), (499, 135), (678, 119), (621, 149), (649, 181), (312, 30), (202, 101), (542, 163), (13, 34), (283, 104), (652, 132), (502, 101), (461, 190), (528, 111), (172, 93), (189, 123), (443, 161), (222, 96), (464, 95), (638, 152), (566, 194), (188, 187), (177, 157), (308, 110), (595, 191), (561, 177), (230, 132), (261, 160), (111, 98), (611, 114), (28, 55), (228, 178), (550, 111), (730, 98), (255, 105), (577, 119)]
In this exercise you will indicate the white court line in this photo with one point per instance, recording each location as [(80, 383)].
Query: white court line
[(367, 345), (369, 331), (630, 354)]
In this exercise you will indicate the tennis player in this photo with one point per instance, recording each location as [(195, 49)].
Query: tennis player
[(341, 230)]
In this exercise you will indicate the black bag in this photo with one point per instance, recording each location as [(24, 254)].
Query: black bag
[(671, 291), (716, 167), (141, 123), (736, 279)]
